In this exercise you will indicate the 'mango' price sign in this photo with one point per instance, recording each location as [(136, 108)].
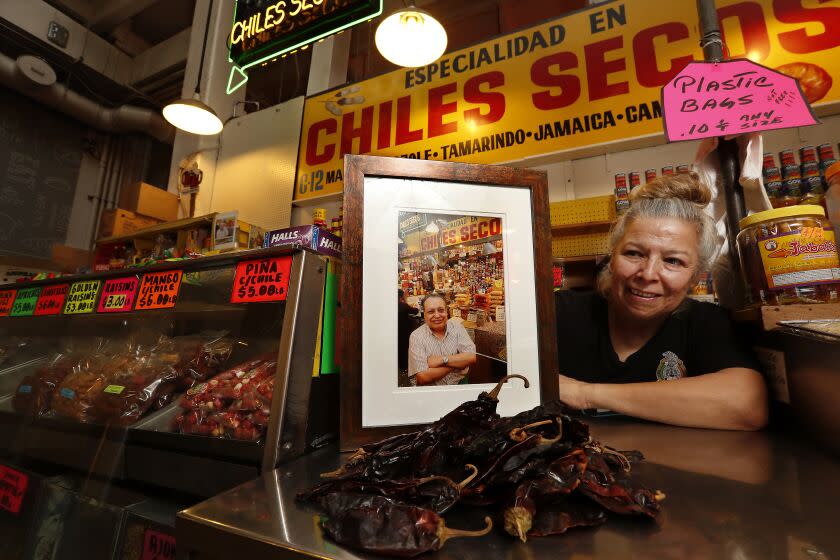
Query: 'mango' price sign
[(118, 295), (159, 290), (261, 280), (82, 297), (7, 298), (51, 300), (25, 301)]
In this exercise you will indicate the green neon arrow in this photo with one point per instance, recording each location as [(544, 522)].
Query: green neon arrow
[(237, 79), (235, 82)]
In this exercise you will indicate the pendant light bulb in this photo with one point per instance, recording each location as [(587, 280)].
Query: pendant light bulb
[(411, 37), (191, 115)]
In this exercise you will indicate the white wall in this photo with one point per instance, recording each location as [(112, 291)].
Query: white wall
[(255, 172), (595, 176)]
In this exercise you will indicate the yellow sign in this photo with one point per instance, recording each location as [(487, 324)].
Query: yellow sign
[(592, 77)]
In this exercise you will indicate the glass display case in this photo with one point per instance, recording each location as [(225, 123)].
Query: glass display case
[(191, 376)]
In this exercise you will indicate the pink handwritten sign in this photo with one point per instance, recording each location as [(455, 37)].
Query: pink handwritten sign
[(118, 295), (731, 97)]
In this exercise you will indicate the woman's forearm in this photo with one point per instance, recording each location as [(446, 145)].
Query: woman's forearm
[(733, 399)]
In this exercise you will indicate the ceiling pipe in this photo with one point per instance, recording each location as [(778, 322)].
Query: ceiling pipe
[(34, 78)]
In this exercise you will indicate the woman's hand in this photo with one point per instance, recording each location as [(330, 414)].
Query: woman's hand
[(574, 393)]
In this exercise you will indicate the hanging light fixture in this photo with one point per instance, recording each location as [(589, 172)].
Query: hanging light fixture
[(411, 37), (192, 115)]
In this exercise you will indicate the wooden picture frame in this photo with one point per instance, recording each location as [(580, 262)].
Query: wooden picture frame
[(357, 170)]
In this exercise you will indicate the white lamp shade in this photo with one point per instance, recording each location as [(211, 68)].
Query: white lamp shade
[(191, 115), (411, 38)]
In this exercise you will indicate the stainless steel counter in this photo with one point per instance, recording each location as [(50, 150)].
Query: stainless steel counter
[(733, 495)]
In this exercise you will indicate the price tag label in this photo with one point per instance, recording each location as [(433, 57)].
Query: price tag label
[(159, 290), (51, 300), (7, 298), (13, 486), (261, 280), (82, 297), (731, 97), (557, 273), (25, 302), (158, 546), (118, 295)]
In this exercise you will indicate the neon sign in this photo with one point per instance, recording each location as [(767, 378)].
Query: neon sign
[(264, 30)]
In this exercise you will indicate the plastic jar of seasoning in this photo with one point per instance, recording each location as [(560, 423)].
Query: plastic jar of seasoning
[(789, 255), (832, 196)]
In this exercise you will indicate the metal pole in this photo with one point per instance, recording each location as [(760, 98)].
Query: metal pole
[(730, 165)]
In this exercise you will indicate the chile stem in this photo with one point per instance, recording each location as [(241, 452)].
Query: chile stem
[(445, 533), (495, 392)]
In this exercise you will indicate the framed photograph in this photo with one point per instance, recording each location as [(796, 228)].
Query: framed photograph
[(224, 230), (446, 288)]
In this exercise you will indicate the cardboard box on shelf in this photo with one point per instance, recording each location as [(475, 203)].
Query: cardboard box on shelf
[(149, 200), (121, 222)]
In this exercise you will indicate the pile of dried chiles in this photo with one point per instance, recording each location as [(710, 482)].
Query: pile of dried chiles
[(540, 468)]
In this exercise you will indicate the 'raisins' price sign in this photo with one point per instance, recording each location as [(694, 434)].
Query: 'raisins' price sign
[(731, 97), (25, 301), (118, 295), (7, 298), (82, 297), (261, 280), (51, 300), (159, 290), (158, 546), (13, 486)]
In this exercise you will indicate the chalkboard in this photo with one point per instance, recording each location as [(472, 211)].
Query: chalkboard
[(40, 155)]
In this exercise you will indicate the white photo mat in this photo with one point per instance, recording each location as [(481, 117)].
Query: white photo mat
[(383, 402)]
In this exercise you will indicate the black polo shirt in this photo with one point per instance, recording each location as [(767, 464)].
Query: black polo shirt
[(698, 338)]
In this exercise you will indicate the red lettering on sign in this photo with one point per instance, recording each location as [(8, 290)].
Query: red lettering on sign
[(483, 229), (313, 156), (798, 41), (750, 19), (495, 226), (438, 109), (13, 486), (598, 69), (542, 74), (383, 136), (364, 132), (644, 51), (404, 132), (495, 101)]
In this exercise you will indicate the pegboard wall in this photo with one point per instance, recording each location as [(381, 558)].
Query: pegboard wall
[(583, 210), (587, 244)]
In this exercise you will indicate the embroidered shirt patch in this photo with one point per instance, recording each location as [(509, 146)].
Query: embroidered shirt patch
[(670, 367)]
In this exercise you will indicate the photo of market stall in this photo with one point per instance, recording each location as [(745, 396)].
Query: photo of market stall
[(461, 258)]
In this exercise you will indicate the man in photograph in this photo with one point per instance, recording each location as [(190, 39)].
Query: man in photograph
[(440, 351)]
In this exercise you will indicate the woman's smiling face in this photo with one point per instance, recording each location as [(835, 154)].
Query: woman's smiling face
[(653, 267)]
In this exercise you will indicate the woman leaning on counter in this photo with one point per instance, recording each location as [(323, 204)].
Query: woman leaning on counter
[(640, 346)]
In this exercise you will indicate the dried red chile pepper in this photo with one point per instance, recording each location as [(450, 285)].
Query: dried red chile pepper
[(541, 466), (379, 525)]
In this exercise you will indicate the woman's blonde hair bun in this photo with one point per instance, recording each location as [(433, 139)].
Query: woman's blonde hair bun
[(685, 186)]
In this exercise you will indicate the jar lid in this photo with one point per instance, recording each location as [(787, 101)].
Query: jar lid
[(832, 170), (779, 213)]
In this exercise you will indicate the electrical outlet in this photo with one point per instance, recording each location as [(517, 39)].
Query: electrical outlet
[(58, 34)]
